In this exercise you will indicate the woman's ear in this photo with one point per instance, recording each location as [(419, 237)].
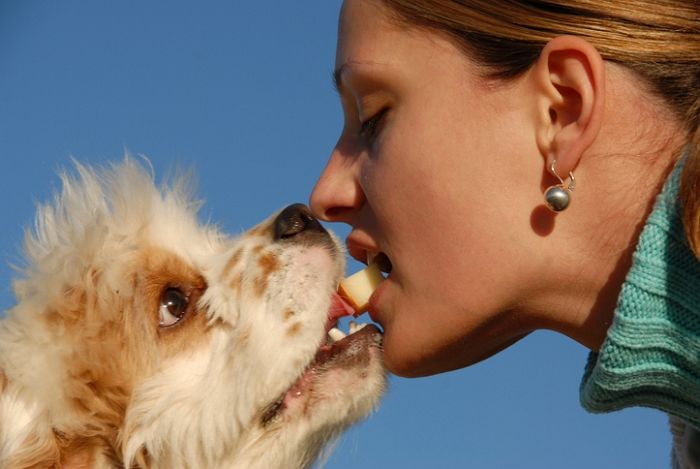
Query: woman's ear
[(569, 79)]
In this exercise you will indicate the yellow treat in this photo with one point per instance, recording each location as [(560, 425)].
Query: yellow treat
[(357, 288)]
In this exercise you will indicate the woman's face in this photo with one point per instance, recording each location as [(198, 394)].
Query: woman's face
[(438, 168)]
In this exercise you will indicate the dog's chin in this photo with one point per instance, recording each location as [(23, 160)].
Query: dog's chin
[(342, 383)]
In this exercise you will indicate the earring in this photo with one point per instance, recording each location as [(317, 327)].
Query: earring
[(558, 197)]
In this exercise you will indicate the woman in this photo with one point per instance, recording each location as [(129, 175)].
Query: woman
[(459, 117)]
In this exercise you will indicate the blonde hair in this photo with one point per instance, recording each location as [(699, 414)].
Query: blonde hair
[(658, 39)]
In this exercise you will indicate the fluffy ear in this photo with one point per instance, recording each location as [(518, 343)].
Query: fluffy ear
[(26, 437), (570, 85)]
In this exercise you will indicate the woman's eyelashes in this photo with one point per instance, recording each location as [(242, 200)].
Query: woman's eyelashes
[(370, 127)]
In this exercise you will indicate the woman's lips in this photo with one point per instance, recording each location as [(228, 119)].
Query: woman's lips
[(361, 247), (358, 250), (374, 307)]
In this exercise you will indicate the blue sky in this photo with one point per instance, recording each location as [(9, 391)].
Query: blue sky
[(241, 91)]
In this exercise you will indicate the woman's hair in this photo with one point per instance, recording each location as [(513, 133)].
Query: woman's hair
[(658, 39)]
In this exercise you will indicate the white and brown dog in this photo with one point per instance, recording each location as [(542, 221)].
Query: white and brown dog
[(142, 339)]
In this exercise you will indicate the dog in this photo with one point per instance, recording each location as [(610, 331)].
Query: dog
[(142, 338)]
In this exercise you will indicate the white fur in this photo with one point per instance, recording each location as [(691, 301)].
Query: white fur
[(90, 375)]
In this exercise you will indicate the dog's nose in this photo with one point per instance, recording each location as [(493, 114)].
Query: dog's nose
[(296, 219)]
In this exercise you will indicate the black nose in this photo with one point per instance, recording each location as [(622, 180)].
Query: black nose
[(294, 220)]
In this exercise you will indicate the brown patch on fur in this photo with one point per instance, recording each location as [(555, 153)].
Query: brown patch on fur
[(76, 453), (260, 286), (72, 311), (236, 282), (269, 264), (94, 320), (3, 381), (294, 329), (244, 337), (289, 314), (232, 262), (76, 302)]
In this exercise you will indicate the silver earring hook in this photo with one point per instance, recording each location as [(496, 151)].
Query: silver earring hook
[(572, 184), (558, 197)]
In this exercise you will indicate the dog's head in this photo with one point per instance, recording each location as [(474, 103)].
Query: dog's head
[(141, 337)]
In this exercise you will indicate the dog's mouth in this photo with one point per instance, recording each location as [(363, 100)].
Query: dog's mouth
[(340, 351)]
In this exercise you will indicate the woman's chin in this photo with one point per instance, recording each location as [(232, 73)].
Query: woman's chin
[(419, 354), (407, 356)]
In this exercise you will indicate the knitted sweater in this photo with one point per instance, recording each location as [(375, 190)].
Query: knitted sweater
[(651, 356)]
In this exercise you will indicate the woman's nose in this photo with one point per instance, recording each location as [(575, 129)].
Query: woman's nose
[(337, 194)]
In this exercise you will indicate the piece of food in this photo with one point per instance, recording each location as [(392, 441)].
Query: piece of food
[(357, 288)]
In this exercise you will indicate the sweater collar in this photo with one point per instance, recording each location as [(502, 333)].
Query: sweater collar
[(651, 356)]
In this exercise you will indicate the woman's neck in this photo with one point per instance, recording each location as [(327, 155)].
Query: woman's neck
[(618, 180)]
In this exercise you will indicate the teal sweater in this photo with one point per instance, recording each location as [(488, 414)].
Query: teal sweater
[(651, 356)]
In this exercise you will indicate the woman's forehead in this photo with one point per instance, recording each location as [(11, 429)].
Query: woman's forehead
[(363, 27), (370, 41)]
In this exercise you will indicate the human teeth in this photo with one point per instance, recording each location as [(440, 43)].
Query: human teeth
[(357, 288), (336, 334)]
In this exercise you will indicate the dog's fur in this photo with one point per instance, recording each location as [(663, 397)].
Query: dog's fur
[(90, 378)]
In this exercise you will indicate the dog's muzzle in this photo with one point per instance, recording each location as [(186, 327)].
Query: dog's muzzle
[(296, 222)]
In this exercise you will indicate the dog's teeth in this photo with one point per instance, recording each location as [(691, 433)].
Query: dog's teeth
[(336, 334), (354, 327)]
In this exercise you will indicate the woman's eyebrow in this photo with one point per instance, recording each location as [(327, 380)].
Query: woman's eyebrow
[(365, 69)]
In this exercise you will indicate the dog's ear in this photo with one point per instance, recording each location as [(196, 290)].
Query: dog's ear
[(26, 437), (76, 454)]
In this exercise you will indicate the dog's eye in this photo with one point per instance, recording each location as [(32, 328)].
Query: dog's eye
[(173, 305)]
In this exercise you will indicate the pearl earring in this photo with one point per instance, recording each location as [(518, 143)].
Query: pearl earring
[(558, 197)]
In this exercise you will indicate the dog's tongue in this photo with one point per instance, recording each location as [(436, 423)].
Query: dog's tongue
[(339, 308)]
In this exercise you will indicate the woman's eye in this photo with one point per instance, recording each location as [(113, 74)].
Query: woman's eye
[(370, 127), (173, 305)]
